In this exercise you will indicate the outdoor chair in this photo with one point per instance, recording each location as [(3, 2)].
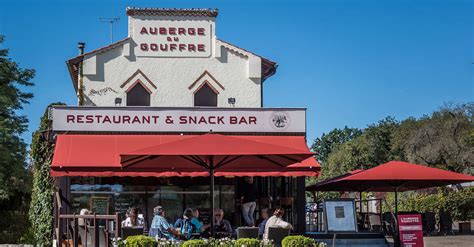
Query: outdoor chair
[(445, 223), (102, 236), (247, 232), (429, 222), (388, 223), (375, 222), (277, 235), (131, 231)]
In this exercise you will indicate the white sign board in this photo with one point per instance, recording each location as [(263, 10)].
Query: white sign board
[(149, 119), (173, 38), (340, 216)]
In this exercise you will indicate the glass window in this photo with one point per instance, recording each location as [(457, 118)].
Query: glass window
[(138, 96), (205, 96)]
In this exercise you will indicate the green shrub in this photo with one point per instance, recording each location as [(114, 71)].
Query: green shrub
[(302, 241), (195, 243), (140, 241), (221, 242), (247, 242)]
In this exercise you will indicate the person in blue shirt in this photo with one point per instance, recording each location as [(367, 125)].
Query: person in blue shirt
[(160, 228), (264, 217), (195, 220), (185, 226)]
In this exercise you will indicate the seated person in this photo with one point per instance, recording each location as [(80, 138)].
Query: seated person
[(276, 221), (133, 220), (222, 227), (185, 226), (160, 228), (195, 220), (264, 217)]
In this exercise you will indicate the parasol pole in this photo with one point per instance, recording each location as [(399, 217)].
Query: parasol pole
[(396, 240), (211, 193)]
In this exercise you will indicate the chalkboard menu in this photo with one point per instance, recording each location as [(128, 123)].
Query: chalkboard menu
[(99, 205)]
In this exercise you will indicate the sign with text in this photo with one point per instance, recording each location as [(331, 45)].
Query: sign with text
[(148, 119), (410, 230), (172, 38), (340, 215)]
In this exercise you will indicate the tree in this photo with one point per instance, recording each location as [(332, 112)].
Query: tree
[(14, 176), (325, 144), (41, 207), (444, 140), (12, 125), (371, 148)]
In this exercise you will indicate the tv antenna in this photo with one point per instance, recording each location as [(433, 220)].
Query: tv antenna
[(111, 21)]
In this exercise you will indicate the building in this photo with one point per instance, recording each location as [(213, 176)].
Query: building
[(171, 79)]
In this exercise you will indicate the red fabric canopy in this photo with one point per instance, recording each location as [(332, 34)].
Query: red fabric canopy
[(218, 152), (393, 175), (307, 168), (99, 155)]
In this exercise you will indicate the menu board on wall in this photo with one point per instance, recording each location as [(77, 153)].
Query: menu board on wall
[(99, 205)]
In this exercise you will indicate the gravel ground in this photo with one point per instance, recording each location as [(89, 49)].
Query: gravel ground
[(451, 241)]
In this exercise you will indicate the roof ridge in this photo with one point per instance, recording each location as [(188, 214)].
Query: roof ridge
[(131, 11)]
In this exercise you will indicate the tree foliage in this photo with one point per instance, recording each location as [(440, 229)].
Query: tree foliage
[(15, 178), (41, 207), (445, 139), (13, 78)]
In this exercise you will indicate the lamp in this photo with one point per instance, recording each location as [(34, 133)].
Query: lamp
[(118, 101), (231, 101)]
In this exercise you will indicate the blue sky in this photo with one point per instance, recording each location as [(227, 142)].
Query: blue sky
[(349, 62)]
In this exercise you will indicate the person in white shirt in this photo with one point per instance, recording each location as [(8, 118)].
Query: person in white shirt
[(276, 221), (133, 220)]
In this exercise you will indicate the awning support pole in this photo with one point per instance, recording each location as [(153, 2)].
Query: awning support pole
[(396, 237), (211, 172)]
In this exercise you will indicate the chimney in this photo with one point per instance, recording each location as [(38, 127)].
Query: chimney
[(81, 46)]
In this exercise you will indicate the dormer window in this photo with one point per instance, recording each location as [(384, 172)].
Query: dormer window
[(138, 95), (205, 96)]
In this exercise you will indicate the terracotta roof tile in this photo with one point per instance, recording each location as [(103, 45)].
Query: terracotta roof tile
[(171, 12)]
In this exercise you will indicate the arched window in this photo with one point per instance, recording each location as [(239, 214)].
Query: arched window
[(138, 95), (205, 96)]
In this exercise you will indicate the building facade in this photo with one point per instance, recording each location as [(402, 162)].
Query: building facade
[(170, 63), (171, 58)]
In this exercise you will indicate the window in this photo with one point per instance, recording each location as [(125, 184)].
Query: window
[(205, 96), (138, 96)]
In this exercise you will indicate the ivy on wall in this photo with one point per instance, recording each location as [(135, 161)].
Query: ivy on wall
[(41, 207)]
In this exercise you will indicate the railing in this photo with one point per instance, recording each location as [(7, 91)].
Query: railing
[(93, 230)]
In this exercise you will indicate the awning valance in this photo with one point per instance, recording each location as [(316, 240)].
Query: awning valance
[(99, 155)]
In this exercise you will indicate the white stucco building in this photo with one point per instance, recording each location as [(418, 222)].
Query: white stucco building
[(171, 58)]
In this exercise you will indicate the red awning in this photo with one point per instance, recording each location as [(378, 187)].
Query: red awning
[(99, 155), (391, 176), (307, 168)]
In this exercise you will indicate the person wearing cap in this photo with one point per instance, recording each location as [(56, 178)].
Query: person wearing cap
[(160, 228), (184, 225)]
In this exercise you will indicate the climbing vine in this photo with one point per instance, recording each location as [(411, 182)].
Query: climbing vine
[(41, 207)]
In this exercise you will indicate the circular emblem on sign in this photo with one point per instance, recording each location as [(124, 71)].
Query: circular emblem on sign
[(280, 120)]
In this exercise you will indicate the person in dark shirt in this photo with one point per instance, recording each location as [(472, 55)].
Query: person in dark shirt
[(248, 196), (222, 227)]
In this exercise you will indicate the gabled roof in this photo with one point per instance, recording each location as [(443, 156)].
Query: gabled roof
[(171, 12), (73, 63), (268, 67)]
